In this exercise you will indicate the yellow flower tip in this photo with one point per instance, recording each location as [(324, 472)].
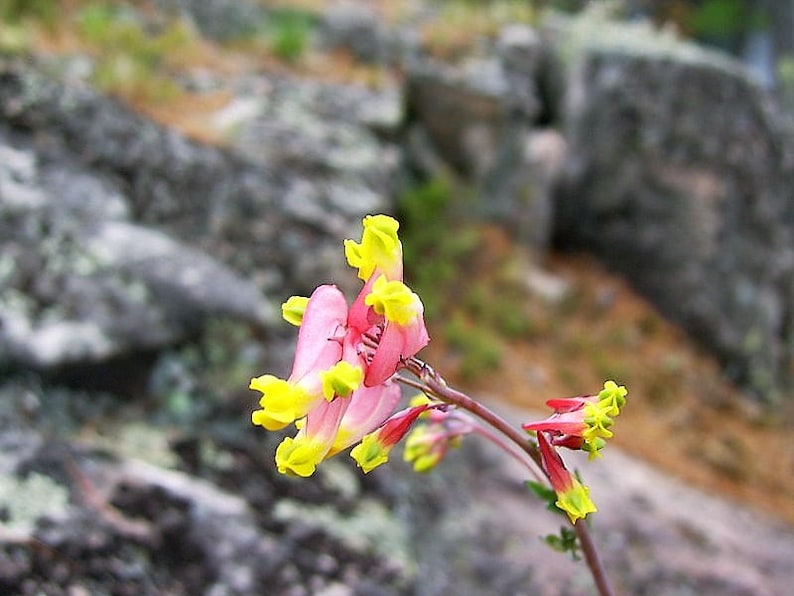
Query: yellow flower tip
[(419, 399), (370, 453), (299, 456), (262, 418), (379, 248), (292, 310), (394, 300), (262, 383), (576, 501), (426, 462), (421, 451), (282, 402), (613, 397), (342, 379)]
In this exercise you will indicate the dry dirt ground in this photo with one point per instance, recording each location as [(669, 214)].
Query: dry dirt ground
[(683, 416)]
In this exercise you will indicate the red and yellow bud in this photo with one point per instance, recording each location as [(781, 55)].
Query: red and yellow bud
[(375, 447), (572, 496)]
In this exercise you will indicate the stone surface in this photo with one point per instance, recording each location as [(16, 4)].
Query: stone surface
[(680, 176), (478, 122), (81, 283), (117, 216)]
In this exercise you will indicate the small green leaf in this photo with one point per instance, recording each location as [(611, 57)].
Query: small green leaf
[(565, 542), (546, 494)]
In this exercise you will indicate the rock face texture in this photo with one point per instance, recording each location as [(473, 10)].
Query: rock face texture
[(119, 236), (480, 122), (667, 161), (680, 176)]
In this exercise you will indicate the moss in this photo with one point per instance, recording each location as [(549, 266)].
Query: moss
[(370, 527), (23, 501), (598, 29)]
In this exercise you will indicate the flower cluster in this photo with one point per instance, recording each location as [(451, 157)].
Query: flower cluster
[(340, 391), (577, 423)]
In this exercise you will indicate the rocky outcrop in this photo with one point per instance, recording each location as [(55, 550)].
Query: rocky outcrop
[(118, 235), (480, 122), (680, 176), (202, 510), (83, 283), (109, 220)]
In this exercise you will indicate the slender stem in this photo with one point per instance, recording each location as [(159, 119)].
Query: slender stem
[(484, 431), (438, 388), (519, 456), (593, 559), (446, 393)]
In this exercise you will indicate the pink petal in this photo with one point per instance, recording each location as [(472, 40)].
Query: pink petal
[(362, 317), (568, 404), (318, 347), (396, 343), (322, 423), (369, 408)]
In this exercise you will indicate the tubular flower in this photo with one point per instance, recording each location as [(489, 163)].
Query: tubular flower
[(375, 447), (379, 251), (284, 401), (402, 333), (369, 408), (340, 389), (582, 422), (299, 456), (427, 444), (572, 496)]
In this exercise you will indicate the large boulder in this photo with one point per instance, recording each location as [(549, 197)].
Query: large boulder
[(680, 176), (120, 235), (82, 283), (479, 121)]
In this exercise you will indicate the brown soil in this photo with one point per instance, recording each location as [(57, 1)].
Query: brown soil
[(682, 414)]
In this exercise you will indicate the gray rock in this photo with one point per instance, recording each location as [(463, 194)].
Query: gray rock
[(232, 204), (358, 30), (680, 176), (221, 19), (478, 121), (82, 284)]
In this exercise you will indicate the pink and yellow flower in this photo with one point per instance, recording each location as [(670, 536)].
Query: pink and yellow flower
[(319, 349), (340, 387), (375, 447)]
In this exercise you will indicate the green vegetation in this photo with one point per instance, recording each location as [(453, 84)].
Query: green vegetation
[(17, 11), (133, 60), (288, 33), (463, 285)]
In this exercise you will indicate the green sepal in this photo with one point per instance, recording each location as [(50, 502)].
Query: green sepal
[(565, 542), (546, 494)]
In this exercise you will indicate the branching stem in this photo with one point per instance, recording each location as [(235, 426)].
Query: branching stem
[(433, 384)]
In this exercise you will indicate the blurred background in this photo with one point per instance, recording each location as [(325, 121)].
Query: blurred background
[(586, 191)]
